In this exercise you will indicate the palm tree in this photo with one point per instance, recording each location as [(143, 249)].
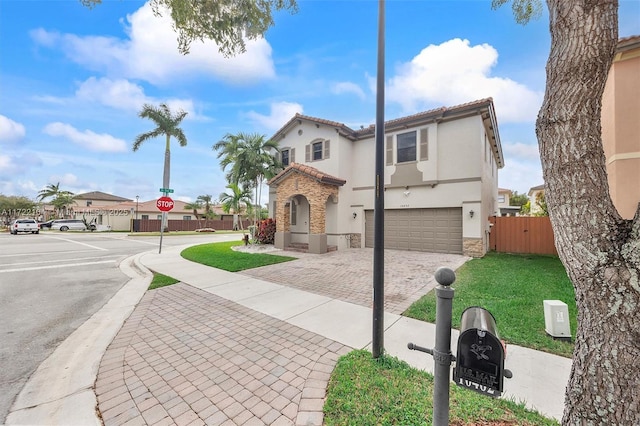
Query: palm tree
[(167, 125), (251, 160), (206, 201), (194, 206), (61, 199), (239, 199)]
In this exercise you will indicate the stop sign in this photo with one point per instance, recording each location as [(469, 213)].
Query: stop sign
[(164, 204)]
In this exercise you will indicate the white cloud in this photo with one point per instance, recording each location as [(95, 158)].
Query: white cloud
[(150, 53), (347, 87), (453, 73), (10, 131), (65, 180), (281, 112), (522, 151), (87, 139), (13, 165)]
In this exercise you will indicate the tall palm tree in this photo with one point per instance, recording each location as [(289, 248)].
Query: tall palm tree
[(251, 159), (167, 125), (237, 200)]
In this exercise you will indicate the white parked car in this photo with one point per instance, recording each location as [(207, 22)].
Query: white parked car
[(24, 225), (70, 224)]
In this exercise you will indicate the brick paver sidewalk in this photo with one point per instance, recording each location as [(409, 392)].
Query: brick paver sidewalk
[(188, 357)]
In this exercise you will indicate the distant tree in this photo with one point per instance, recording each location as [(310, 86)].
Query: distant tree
[(206, 201), (518, 199), (194, 206), (225, 22), (61, 199), (542, 204), (237, 200), (12, 206)]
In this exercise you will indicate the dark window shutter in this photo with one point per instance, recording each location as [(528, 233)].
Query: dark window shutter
[(326, 149), (307, 153), (424, 144), (389, 151), (292, 155)]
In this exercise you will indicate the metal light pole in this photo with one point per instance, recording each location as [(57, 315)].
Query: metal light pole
[(137, 198), (377, 343)]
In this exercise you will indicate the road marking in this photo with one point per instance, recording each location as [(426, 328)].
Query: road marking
[(128, 239), (42, 253), (78, 242), (66, 265), (64, 260)]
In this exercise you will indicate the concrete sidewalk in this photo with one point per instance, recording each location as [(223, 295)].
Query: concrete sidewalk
[(227, 348)]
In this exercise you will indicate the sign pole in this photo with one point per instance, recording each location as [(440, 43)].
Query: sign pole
[(164, 215), (164, 204)]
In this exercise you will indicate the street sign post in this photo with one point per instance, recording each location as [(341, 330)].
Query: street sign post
[(166, 191)]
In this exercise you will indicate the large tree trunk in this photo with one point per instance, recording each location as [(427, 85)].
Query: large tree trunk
[(600, 251)]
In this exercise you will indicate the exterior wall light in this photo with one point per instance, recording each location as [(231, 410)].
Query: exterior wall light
[(355, 215), (471, 213)]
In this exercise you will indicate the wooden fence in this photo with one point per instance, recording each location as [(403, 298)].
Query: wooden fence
[(522, 234), (153, 225)]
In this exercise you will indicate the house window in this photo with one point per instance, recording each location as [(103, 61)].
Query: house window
[(317, 151), (145, 217), (186, 217), (501, 198), (285, 157), (406, 150), (294, 212), (89, 203), (159, 217)]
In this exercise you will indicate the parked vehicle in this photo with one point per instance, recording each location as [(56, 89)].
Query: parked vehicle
[(46, 224), (70, 224), (24, 225)]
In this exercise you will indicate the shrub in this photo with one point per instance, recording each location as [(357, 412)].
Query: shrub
[(266, 231)]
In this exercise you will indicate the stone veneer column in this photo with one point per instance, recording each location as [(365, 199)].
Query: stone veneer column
[(473, 247)]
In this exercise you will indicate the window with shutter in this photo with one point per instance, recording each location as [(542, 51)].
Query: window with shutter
[(389, 150), (424, 144), (317, 151), (284, 157), (406, 147), (326, 149)]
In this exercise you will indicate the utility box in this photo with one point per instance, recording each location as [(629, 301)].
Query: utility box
[(556, 319), (480, 357)]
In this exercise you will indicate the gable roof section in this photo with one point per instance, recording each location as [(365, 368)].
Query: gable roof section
[(100, 196), (341, 128), (309, 171), (483, 107)]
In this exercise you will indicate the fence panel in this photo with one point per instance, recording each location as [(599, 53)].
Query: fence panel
[(522, 234), (153, 225)]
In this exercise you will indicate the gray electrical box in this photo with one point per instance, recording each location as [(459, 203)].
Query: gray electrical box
[(556, 319)]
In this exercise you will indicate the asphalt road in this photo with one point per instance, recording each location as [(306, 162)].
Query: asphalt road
[(50, 284)]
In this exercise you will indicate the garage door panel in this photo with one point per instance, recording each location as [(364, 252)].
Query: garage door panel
[(432, 230)]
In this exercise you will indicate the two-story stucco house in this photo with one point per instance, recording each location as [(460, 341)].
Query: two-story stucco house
[(440, 182)]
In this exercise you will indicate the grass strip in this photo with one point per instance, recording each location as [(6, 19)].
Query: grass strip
[(221, 256), (387, 391), (160, 280), (512, 287)]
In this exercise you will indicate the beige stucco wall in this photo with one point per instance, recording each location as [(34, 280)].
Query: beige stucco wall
[(621, 130)]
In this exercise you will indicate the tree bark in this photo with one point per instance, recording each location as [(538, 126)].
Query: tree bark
[(599, 249)]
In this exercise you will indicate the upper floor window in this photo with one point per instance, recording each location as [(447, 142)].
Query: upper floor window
[(501, 198), (406, 147), (186, 217), (284, 155), (317, 150)]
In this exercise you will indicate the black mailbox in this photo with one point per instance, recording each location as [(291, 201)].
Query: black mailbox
[(480, 356)]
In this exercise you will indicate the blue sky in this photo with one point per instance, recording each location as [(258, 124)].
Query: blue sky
[(73, 79)]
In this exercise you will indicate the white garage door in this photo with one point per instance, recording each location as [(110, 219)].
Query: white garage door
[(432, 230)]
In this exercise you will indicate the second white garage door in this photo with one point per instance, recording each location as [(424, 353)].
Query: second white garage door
[(432, 230)]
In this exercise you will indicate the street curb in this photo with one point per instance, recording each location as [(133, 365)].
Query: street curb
[(61, 389)]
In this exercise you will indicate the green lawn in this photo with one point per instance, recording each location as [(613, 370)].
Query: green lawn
[(160, 280), (365, 391), (221, 256), (512, 287)]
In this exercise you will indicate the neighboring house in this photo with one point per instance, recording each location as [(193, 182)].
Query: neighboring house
[(621, 126), (504, 208), (440, 181), (97, 198), (535, 208)]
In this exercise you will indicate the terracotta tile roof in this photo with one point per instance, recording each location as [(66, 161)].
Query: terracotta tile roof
[(344, 129), (628, 43), (101, 196), (312, 172)]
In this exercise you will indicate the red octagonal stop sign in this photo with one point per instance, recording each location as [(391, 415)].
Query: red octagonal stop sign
[(164, 204)]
